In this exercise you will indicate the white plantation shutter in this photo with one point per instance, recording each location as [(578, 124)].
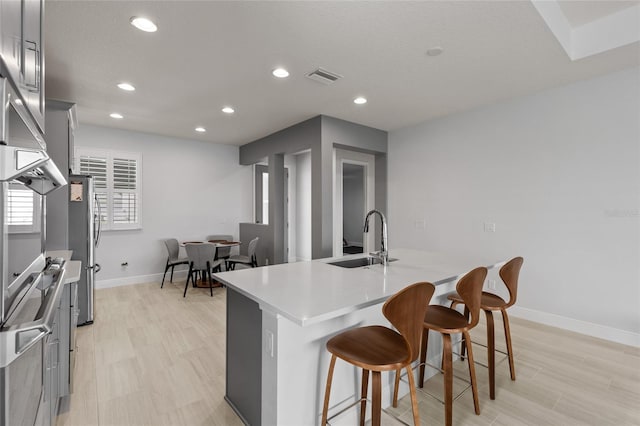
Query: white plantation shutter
[(96, 166), (117, 185), (20, 206), (22, 209), (125, 185)]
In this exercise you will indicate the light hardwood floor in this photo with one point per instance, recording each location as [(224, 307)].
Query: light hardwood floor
[(154, 358)]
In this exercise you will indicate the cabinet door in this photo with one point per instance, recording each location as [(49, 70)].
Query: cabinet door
[(33, 59), (11, 30)]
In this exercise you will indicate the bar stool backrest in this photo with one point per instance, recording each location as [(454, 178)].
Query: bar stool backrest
[(406, 310), (509, 273), (200, 253), (470, 289)]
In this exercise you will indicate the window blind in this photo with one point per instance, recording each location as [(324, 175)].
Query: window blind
[(20, 207), (96, 167), (117, 185)]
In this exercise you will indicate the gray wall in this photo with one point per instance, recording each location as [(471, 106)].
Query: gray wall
[(58, 135), (558, 173), (320, 135), (264, 250), (303, 206)]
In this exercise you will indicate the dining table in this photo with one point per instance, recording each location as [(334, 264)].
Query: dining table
[(201, 282)]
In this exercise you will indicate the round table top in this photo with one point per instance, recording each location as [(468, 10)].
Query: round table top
[(218, 243)]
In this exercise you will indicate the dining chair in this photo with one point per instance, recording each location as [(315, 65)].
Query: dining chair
[(376, 349), (173, 259), (490, 302), (222, 253), (201, 258), (448, 321), (249, 260)]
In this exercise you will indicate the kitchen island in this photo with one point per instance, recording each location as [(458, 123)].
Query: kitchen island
[(280, 317)]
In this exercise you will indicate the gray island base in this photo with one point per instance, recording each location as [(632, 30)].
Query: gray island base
[(280, 317)]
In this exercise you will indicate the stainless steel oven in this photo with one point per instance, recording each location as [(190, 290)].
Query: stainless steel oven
[(30, 288)]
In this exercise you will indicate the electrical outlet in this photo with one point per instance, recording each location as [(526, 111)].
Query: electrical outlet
[(492, 284), (420, 224), (268, 342), (489, 227)]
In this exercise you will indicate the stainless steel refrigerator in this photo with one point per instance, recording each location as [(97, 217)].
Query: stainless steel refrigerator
[(84, 236)]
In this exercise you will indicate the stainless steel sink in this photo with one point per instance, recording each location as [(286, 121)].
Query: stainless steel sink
[(356, 263)]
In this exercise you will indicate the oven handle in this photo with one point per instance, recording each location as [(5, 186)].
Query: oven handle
[(19, 338)]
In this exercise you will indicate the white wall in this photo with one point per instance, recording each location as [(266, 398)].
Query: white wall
[(190, 189), (303, 206), (559, 174)]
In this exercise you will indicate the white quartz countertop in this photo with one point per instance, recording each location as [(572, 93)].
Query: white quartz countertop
[(72, 270), (314, 291)]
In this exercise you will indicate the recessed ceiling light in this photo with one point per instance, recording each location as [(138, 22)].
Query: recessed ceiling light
[(228, 110), (435, 51), (280, 73), (126, 86), (201, 129), (143, 24), (360, 100), (116, 115)]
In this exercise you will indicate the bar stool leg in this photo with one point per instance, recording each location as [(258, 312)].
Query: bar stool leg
[(472, 373), (423, 355), (414, 398), (507, 336), (395, 389), (463, 346), (327, 390), (376, 403), (447, 366), (491, 353), (363, 396)]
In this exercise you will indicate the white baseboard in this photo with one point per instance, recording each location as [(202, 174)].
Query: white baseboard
[(583, 327), (139, 279)]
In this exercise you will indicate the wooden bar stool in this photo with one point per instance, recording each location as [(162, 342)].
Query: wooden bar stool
[(448, 321), (490, 302), (377, 348)]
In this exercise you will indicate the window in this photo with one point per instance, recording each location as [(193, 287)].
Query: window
[(23, 209), (117, 185)]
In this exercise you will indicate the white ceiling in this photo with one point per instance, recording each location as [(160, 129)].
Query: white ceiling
[(208, 54)]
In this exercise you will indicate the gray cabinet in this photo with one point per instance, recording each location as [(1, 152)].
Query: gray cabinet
[(21, 49), (11, 33), (32, 85), (67, 344)]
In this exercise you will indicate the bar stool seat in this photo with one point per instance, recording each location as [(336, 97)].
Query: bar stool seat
[(376, 349), (489, 302), (445, 320), (390, 352)]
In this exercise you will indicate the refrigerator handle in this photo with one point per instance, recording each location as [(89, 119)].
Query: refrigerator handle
[(99, 222)]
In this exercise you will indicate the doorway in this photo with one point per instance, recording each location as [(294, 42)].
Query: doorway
[(353, 184), (354, 189)]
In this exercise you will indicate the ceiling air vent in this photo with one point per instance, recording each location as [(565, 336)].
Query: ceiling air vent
[(323, 76)]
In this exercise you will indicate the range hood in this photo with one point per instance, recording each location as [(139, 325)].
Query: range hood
[(33, 168)]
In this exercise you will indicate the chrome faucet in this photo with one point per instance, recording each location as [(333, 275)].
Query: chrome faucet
[(383, 254)]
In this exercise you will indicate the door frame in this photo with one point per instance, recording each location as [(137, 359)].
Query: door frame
[(341, 157)]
